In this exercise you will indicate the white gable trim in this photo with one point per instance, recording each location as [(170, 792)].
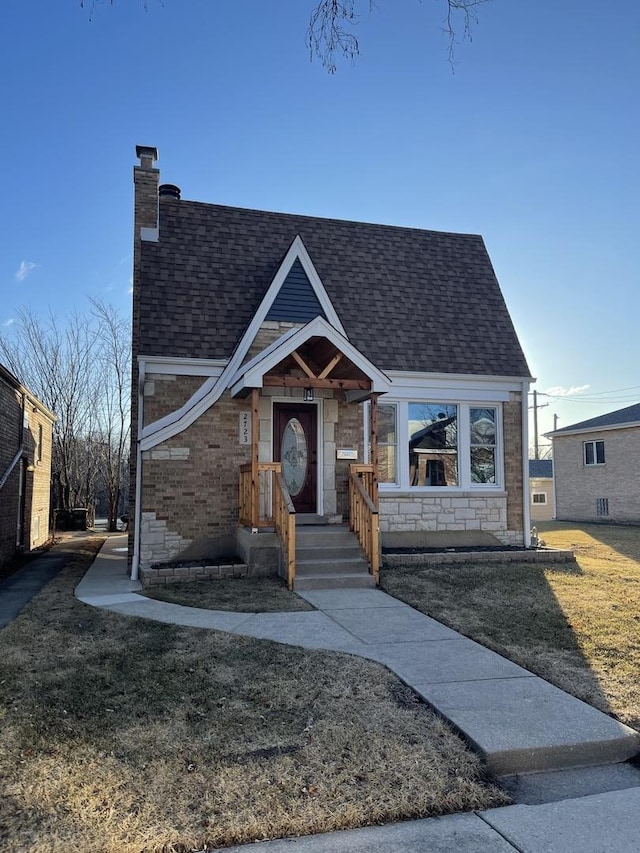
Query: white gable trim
[(298, 250), (211, 390), (250, 375)]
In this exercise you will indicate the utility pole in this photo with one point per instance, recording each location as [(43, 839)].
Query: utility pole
[(555, 423), (535, 408)]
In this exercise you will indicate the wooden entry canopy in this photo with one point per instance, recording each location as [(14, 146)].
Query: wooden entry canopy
[(317, 364), (313, 356)]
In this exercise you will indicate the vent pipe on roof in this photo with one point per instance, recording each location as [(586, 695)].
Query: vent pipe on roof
[(169, 191)]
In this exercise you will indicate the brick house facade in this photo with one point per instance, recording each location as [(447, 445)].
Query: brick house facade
[(26, 428), (597, 468), (270, 335)]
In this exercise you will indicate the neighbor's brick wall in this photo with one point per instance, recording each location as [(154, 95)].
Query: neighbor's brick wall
[(40, 480), (578, 486), (37, 482), (10, 432)]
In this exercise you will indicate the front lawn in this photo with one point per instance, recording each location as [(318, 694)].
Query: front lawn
[(123, 735), (250, 595), (578, 626)]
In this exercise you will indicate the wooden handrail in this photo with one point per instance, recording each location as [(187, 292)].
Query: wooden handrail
[(274, 508), (364, 515), (284, 519)]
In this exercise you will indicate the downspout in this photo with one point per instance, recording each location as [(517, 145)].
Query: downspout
[(135, 563), (526, 514)]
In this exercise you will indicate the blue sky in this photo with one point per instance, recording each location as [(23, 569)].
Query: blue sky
[(533, 142)]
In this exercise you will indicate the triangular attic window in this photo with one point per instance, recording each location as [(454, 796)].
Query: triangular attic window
[(296, 301)]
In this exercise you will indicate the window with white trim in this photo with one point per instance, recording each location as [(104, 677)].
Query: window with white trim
[(433, 444), (387, 443), (427, 444), (539, 498), (593, 452)]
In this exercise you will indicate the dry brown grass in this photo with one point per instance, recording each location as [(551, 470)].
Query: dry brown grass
[(578, 626), (251, 595), (120, 735)]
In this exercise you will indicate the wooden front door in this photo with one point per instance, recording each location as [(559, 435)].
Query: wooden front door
[(295, 431)]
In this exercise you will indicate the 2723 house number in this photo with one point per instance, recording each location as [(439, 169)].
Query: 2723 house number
[(245, 428)]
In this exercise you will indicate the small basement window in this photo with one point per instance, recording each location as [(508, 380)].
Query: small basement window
[(594, 452), (602, 506), (539, 498)]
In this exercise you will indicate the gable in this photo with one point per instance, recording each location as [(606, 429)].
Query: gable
[(296, 301)]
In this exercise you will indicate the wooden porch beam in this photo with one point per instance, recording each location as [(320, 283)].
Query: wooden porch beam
[(255, 475), (303, 364), (302, 382), (330, 366)]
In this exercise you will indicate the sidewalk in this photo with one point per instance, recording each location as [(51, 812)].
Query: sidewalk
[(516, 721)]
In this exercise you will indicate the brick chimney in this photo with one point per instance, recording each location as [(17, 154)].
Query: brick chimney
[(146, 179)]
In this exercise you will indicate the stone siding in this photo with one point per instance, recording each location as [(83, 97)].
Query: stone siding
[(580, 486), (468, 511)]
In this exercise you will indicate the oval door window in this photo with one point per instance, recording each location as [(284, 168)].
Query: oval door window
[(294, 455)]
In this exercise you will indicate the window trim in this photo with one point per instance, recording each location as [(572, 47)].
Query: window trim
[(402, 483), (542, 495), (593, 443)]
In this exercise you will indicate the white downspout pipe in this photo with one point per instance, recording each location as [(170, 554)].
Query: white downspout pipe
[(135, 563), (526, 514)]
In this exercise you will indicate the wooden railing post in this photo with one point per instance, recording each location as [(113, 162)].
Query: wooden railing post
[(363, 513), (255, 475)]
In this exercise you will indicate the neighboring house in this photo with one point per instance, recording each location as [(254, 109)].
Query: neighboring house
[(25, 468), (375, 367), (597, 468), (541, 489)]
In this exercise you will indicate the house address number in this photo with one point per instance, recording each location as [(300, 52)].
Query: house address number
[(245, 428)]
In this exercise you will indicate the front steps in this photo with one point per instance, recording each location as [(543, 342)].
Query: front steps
[(329, 556)]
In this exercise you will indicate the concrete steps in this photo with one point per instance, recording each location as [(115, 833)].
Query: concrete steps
[(330, 557)]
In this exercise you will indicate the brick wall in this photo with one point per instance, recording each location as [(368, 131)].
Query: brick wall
[(513, 474), (579, 486), (190, 486), (36, 482)]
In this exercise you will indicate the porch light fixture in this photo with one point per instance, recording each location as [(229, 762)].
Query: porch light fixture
[(308, 395)]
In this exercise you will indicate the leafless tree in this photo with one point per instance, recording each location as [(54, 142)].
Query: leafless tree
[(113, 349), (79, 368), (330, 34)]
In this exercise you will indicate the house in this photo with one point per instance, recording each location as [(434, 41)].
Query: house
[(597, 468), (293, 369), (26, 428), (541, 489)]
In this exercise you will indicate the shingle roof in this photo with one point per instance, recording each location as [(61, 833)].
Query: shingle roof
[(409, 299), (628, 415), (541, 467)]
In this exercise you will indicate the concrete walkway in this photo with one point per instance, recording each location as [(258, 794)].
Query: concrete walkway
[(518, 722)]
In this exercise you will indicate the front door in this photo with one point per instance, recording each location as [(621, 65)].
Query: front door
[(294, 444)]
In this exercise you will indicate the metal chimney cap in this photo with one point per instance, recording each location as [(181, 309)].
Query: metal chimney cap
[(147, 154), (169, 191)]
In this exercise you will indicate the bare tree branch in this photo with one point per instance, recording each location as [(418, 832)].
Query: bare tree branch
[(330, 33)]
